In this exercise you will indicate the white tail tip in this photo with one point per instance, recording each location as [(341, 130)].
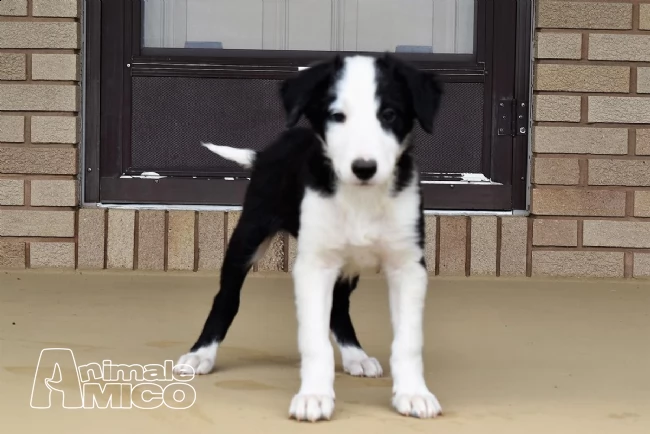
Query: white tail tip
[(243, 157)]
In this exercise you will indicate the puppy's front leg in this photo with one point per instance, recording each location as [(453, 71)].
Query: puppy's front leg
[(411, 396), (314, 285)]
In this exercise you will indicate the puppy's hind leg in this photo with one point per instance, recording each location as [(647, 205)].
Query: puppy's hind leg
[(247, 238), (355, 360)]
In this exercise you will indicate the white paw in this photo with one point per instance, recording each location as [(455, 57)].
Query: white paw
[(197, 362), (421, 405), (357, 363), (312, 408), (368, 367)]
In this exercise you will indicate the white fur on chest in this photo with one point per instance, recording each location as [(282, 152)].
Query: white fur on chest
[(360, 228)]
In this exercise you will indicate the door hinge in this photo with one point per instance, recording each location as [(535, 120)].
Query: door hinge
[(512, 118)]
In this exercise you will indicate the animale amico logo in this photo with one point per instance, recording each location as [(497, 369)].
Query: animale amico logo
[(58, 379)]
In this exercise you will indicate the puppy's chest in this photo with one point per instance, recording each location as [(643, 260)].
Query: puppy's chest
[(363, 240), (360, 233), (362, 230)]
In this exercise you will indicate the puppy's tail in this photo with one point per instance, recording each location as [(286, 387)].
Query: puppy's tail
[(243, 157)]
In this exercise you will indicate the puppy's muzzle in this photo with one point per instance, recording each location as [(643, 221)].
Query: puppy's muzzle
[(364, 169)]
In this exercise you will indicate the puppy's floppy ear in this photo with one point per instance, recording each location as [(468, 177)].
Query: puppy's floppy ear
[(298, 92), (424, 88)]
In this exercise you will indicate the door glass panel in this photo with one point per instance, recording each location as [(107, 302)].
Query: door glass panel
[(421, 26)]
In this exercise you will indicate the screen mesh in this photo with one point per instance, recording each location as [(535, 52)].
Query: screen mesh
[(172, 115), (456, 145)]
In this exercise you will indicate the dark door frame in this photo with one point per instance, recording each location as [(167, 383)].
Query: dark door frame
[(113, 54)]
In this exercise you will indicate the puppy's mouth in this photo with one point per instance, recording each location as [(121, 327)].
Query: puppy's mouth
[(369, 183), (362, 183)]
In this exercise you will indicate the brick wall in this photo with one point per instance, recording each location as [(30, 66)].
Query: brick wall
[(39, 132), (591, 139), (591, 144)]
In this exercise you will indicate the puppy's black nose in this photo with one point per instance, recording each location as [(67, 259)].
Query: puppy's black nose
[(364, 169)]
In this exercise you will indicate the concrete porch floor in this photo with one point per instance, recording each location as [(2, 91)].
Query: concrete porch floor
[(502, 356)]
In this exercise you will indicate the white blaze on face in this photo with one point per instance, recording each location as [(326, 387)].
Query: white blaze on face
[(361, 135)]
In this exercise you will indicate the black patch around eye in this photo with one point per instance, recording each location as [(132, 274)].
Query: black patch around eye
[(336, 117), (388, 115)]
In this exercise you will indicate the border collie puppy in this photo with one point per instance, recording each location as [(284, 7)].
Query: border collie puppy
[(348, 190)]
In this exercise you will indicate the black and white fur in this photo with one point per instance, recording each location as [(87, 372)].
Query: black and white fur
[(348, 190)]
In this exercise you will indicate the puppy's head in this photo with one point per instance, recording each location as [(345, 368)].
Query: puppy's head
[(364, 108)]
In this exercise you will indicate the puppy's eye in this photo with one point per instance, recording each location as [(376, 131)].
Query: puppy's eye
[(388, 115), (336, 117)]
